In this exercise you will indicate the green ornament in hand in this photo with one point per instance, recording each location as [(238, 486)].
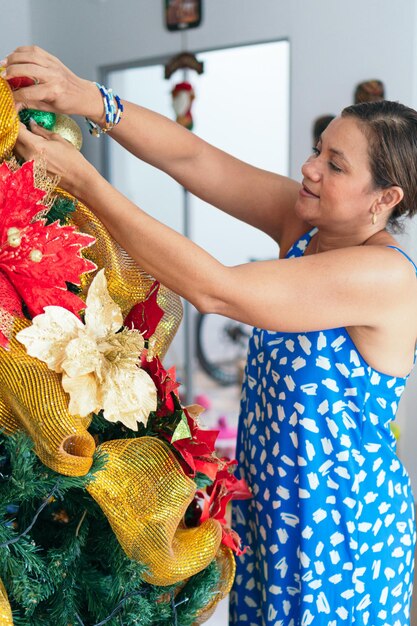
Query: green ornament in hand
[(56, 123), (43, 118)]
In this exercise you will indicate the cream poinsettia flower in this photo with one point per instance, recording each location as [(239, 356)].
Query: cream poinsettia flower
[(99, 363)]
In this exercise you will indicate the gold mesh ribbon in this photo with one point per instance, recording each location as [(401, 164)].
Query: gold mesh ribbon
[(32, 399), (126, 282), (226, 563), (9, 120), (5, 610), (144, 495)]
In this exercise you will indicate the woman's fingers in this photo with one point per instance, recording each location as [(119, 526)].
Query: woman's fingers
[(60, 156), (27, 146), (30, 54), (36, 136), (40, 131), (38, 72), (55, 88), (33, 81), (35, 142), (34, 97)]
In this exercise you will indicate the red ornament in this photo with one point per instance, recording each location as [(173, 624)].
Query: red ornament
[(17, 82)]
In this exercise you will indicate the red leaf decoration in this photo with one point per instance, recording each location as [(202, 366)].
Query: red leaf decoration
[(225, 488), (145, 316), (231, 539), (10, 307), (164, 381), (214, 500), (19, 199), (198, 451)]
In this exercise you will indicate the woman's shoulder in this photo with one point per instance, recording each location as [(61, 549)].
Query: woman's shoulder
[(385, 241)]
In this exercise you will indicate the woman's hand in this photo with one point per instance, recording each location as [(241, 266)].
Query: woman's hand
[(60, 157), (55, 87)]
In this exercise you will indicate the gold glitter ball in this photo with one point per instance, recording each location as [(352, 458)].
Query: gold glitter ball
[(68, 129)]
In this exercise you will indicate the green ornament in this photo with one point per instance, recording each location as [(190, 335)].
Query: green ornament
[(43, 118)]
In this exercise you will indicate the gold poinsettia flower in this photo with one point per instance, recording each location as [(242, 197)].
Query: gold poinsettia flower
[(99, 360)]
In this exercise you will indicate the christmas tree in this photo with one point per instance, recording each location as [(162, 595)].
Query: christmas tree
[(112, 499)]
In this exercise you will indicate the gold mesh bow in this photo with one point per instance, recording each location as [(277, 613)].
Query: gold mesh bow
[(5, 610), (9, 120), (126, 282), (144, 494), (32, 399), (226, 563)]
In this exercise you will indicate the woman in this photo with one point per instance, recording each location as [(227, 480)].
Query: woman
[(330, 529)]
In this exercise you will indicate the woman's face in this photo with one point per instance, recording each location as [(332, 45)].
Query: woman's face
[(337, 190)]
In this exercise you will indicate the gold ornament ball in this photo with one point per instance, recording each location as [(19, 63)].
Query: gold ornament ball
[(69, 130)]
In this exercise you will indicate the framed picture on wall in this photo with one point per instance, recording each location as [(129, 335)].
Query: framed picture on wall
[(182, 14)]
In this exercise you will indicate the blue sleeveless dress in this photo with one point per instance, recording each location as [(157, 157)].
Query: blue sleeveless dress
[(330, 530)]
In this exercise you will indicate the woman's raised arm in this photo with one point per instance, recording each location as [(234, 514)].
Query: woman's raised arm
[(258, 197), (360, 286)]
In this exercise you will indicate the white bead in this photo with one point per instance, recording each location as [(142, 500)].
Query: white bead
[(35, 256), (14, 237)]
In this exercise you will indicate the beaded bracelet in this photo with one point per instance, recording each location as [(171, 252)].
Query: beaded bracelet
[(113, 109)]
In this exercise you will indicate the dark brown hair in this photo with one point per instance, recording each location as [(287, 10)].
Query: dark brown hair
[(391, 130), (320, 124), (369, 91)]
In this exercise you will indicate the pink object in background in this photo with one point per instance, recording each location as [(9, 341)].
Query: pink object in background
[(226, 439), (203, 401)]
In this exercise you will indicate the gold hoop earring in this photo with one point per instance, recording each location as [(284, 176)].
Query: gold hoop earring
[(374, 219)]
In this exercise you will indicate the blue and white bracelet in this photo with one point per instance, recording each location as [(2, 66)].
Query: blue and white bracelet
[(113, 108)]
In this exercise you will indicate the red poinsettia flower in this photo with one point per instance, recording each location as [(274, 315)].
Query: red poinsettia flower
[(36, 259), (214, 499), (231, 539), (145, 316), (165, 383), (197, 450)]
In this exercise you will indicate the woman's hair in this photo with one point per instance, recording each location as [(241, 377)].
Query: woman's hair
[(391, 130), (369, 91), (319, 125)]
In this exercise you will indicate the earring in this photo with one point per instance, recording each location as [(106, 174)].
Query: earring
[(374, 218)]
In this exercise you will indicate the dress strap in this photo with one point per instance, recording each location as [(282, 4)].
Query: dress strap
[(299, 246), (406, 256), (415, 267)]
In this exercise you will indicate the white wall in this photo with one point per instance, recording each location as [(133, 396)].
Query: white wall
[(15, 25), (334, 45)]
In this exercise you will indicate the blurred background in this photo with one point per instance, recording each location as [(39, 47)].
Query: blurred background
[(270, 69)]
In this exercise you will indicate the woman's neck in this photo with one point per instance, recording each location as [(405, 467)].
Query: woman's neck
[(323, 242)]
